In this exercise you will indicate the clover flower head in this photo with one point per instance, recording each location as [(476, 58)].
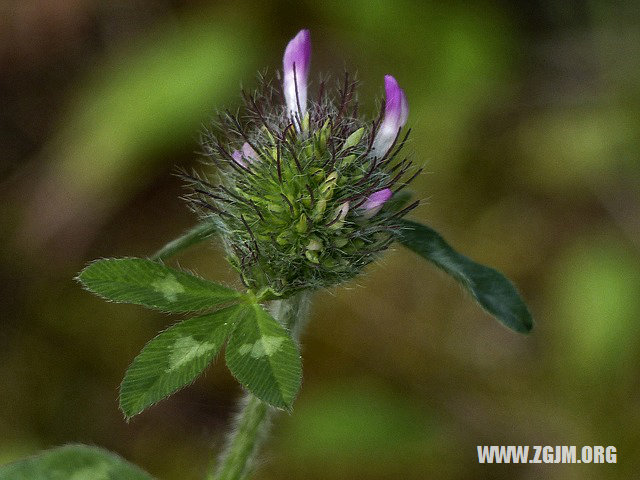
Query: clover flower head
[(303, 190)]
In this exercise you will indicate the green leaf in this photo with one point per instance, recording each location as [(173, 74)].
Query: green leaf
[(148, 283), (73, 462), (174, 359), (493, 291), (263, 357)]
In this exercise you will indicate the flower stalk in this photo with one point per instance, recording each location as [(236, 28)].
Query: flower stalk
[(249, 432)]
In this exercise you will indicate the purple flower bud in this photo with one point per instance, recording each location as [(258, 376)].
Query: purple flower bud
[(374, 202), (297, 55), (246, 154), (396, 111), (237, 157)]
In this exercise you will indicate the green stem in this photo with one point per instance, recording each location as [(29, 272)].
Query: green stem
[(197, 234), (250, 430), (252, 424)]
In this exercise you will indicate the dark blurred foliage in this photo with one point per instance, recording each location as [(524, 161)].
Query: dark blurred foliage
[(527, 117)]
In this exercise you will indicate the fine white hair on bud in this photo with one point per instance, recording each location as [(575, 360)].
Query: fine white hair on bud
[(303, 194)]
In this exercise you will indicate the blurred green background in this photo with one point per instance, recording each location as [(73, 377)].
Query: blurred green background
[(527, 118)]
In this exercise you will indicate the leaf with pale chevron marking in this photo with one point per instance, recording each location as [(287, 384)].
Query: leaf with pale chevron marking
[(175, 358), (264, 358), (153, 285)]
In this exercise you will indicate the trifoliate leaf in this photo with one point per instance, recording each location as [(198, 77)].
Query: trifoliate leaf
[(174, 359), (493, 291), (264, 358), (153, 285)]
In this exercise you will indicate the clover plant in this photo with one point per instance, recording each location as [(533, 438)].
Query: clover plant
[(303, 192)]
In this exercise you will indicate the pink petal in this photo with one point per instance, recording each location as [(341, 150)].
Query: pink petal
[(374, 202), (248, 152), (237, 157), (396, 111), (298, 53)]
